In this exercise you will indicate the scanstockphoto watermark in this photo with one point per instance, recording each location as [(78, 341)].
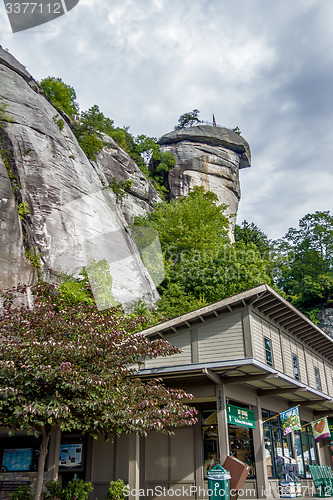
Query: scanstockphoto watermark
[(204, 492), (186, 491), (24, 15)]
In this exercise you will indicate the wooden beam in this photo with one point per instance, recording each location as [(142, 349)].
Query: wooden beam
[(281, 390), (263, 302), (249, 378), (310, 402), (211, 375), (290, 314)]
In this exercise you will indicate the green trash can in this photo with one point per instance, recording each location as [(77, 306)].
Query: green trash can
[(218, 483)]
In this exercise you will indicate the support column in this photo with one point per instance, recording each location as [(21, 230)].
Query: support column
[(259, 454), (53, 456), (222, 421), (134, 466)]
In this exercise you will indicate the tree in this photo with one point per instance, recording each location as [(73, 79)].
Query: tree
[(305, 271), (188, 119), (68, 368), (62, 95), (201, 265)]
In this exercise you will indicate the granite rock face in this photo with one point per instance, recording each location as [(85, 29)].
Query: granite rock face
[(325, 317), (55, 212), (113, 163), (210, 157)]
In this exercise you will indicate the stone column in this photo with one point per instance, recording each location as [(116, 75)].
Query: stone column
[(222, 422), (134, 466), (259, 454)]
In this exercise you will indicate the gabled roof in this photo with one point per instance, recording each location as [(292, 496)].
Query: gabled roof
[(268, 302)]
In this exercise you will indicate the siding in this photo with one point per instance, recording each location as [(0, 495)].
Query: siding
[(221, 339), (181, 339)]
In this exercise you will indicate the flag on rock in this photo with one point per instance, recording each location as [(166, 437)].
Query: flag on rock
[(214, 122)]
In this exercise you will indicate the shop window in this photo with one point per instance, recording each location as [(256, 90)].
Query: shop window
[(210, 438), (295, 367), (317, 377), (277, 445), (72, 457), (306, 450), (19, 454), (268, 351), (241, 446)]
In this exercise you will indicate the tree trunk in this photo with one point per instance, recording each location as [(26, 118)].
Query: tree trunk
[(41, 463)]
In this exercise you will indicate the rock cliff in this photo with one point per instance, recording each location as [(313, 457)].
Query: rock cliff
[(55, 210), (207, 156)]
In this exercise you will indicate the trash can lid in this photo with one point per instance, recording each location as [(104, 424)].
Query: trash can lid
[(218, 472)]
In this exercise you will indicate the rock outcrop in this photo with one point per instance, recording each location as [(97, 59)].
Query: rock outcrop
[(325, 317), (55, 212), (210, 157)]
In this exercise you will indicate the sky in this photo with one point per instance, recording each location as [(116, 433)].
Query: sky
[(262, 65)]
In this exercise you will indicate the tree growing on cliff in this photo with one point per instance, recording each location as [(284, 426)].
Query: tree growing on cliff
[(68, 368), (63, 96), (188, 119)]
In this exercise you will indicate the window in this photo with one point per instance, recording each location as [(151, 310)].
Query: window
[(210, 439), (317, 377), (276, 444), (268, 351), (306, 450), (295, 366)]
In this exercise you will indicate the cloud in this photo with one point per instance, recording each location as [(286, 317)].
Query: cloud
[(268, 71)]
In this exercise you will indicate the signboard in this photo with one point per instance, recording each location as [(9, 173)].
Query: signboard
[(17, 459), (241, 417), (290, 420), (70, 456), (320, 429), (330, 426)]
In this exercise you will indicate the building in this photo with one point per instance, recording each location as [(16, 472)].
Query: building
[(245, 359)]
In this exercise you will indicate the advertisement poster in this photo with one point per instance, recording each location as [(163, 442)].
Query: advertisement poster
[(70, 456), (320, 429), (17, 459), (290, 420)]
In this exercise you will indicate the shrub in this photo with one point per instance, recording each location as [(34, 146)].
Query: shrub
[(22, 493), (116, 490)]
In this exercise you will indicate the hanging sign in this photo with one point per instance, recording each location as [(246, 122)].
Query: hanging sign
[(320, 429), (241, 417), (290, 420)]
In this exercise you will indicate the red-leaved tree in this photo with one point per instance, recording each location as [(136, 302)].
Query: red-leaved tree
[(69, 368)]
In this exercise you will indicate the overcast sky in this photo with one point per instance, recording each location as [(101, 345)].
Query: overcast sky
[(262, 65)]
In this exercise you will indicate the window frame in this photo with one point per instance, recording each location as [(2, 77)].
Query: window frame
[(271, 427), (317, 378), (295, 366), (270, 351)]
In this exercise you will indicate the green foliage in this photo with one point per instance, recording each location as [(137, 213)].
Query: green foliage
[(201, 265), (4, 117), (89, 141), (116, 490), (191, 223), (33, 258), (94, 120), (77, 489), (52, 491), (58, 121), (120, 188), (188, 119), (22, 493), (305, 265), (62, 95), (237, 130), (23, 209)]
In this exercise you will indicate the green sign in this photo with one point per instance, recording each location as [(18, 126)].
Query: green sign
[(241, 416)]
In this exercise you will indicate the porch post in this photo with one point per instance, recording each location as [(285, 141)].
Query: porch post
[(259, 454), (53, 456), (222, 422), (134, 466)]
